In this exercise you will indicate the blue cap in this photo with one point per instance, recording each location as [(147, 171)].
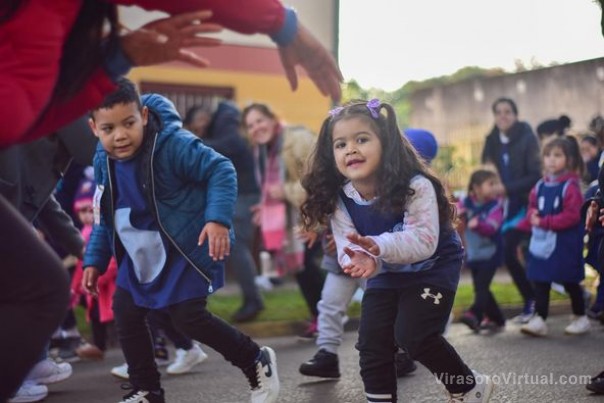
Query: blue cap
[(424, 143)]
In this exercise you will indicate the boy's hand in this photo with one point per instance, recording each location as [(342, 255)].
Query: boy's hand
[(90, 281), (361, 264), (218, 237), (364, 242)]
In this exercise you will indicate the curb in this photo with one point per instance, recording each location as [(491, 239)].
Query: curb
[(294, 328)]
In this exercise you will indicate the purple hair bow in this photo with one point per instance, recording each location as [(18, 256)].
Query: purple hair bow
[(336, 111), (374, 107)]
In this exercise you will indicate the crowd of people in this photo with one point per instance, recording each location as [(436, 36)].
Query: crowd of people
[(160, 206)]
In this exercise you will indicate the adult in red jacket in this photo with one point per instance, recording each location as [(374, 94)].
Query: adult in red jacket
[(55, 64), (37, 96)]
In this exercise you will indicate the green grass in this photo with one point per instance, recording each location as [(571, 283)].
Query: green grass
[(287, 304)]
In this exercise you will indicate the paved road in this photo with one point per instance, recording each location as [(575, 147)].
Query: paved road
[(509, 355)]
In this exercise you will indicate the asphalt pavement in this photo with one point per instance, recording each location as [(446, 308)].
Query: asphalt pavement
[(527, 370)]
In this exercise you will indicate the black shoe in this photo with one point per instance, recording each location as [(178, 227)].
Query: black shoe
[(404, 363), (470, 320), (324, 364), (247, 312), (144, 396), (596, 384)]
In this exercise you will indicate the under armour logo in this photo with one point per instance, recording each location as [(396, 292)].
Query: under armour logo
[(436, 297)]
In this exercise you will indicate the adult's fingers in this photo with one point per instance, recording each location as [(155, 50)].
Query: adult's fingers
[(187, 56)]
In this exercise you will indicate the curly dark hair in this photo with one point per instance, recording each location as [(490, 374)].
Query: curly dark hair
[(399, 164)]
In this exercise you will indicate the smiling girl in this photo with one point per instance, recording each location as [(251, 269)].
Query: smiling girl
[(392, 223)]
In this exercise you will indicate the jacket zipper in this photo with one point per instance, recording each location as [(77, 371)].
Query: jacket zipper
[(111, 205), (210, 288)]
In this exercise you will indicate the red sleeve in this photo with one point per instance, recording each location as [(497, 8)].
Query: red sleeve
[(110, 275), (59, 115), (245, 16), (571, 210)]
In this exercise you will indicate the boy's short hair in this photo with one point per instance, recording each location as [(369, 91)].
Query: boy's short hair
[(125, 93)]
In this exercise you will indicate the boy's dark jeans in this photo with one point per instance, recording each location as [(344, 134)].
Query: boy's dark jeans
[(34, 295), (484, 302), (192, 319), (419, 328)]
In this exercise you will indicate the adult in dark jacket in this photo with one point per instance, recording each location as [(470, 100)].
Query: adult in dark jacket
[(28, 175), (513, 149), (219, 127)]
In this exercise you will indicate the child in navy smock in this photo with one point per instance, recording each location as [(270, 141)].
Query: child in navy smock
[(556, 245), (482, 210), (392, 223), (163, 206)]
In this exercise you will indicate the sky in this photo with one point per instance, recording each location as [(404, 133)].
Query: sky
[(386, 43)]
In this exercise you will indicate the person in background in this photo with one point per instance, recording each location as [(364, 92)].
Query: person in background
[(218, 126), (482, 212), (551, 128), (513, 149), (556, 245), (591, 153), (98, 310), (280, 154)]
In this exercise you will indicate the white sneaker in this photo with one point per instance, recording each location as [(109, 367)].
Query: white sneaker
[(186, 360), (121, 371), (535, 327), (264, 380), (29, 392), (47, 371), (579, 325), (480, 393)]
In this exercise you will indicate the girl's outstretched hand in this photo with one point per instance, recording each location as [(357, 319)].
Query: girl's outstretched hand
[(361, 264), (218, 237), (364, 242)]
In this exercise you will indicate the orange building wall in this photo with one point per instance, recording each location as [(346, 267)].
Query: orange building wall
[(256, 76)]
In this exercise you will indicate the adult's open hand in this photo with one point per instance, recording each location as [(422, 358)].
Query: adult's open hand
[(305, 50), (167, 39)]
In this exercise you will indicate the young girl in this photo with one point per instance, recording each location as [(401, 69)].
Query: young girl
[(392, 223), (482, 210), (555, 249)]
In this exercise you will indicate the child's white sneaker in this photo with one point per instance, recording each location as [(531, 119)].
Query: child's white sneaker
[(186, 360), (29, 392), (535, 327), (480, 393), (121, 371), (263, 377), (47, 371), (579, 325)]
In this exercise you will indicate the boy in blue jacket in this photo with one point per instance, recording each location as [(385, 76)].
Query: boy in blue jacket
[(163, 207)]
